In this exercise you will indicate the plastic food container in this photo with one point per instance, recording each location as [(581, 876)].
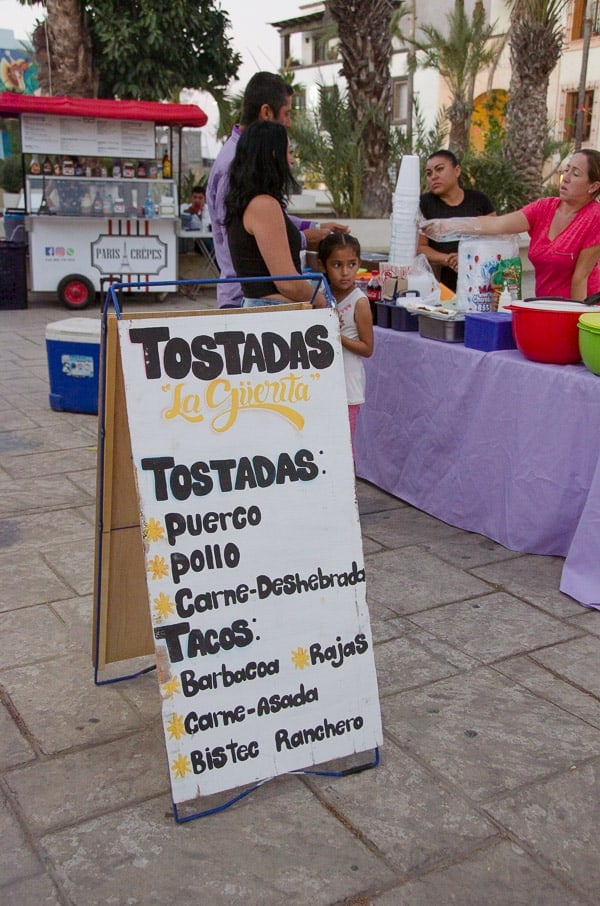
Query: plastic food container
[(448, 330), (489, 330), (545, 330), (589, 340)]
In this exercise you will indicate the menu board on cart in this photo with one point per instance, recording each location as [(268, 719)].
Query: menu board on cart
[(252, 545), (86, 136)]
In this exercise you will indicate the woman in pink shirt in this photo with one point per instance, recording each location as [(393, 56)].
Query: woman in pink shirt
[(565, 231)]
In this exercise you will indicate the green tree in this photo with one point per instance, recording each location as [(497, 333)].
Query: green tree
[(140, 49), (330, 150), (459, 57), (365, 46), (536, 39)]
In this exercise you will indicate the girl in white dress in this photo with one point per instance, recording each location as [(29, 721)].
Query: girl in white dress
[(339, 255)]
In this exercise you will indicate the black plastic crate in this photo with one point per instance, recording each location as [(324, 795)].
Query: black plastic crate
[(13, 275)]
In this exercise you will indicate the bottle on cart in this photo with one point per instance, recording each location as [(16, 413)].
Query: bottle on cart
[(116, 169), (57, 166), (68, 167), (47, 168), (34, 167), (128, 169), (374, 287), (153, 170), (167, 170), (79, 168), (107, 204), (86, 204), (149, 209), (98, 205), (141, 171)]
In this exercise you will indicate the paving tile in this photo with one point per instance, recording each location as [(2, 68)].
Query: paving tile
[(499, 875), (588, 619), (559, 819), (26, 580), (423, 657), (38, 890), (78, 786), (37, 530), (401, 526), (35, 494), (372, 499), (411, 580), (35, 464), (494, 626), (384, 630), (73, 564), (32, 634), (578, 661), (12, 418), (14, 748), (535, 579), (62, 708), (405, 813), (468, 550), (486, 735), (281, 846), (529, 673), (17, 859), (85, 479)]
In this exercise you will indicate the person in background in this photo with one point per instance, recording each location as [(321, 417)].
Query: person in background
[(447, 198), (199, 218), (339, 257), (565, 231), (267, 97), (262, 240)]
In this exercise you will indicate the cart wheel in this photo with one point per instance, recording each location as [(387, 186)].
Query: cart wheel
[(76, 291)]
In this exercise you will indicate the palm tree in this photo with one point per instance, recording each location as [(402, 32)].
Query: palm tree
[(366, 46), (459, 58), (63, 50), (536, 40)]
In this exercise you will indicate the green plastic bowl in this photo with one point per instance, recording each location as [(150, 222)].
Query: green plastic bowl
[(589, 340)]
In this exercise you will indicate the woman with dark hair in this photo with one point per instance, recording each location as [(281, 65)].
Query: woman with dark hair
[(564, 232), (447, 198), (262, 239)]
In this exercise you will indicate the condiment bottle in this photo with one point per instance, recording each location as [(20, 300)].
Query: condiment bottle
[(505, 300), (374, 288), (166, 166), (34, 167), (47, 168)]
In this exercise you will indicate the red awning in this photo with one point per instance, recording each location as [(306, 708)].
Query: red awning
[(163, 114)]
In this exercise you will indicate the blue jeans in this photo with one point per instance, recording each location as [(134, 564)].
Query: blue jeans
[(261, 303)]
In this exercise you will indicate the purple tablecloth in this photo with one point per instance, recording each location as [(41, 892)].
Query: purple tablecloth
[(491, 443)]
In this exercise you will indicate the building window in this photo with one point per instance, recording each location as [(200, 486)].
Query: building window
[(325, 48), (579, 16), (571, 115), (399, 101), (299, 100)]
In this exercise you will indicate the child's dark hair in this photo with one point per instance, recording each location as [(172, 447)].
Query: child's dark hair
[(335, 241)]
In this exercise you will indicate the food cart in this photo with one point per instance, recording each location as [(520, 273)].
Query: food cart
[(100, 193)]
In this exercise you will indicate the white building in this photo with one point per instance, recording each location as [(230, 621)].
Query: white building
[(309, 48)]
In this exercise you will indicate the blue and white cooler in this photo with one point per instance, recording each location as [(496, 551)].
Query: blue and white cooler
[(73, 348)]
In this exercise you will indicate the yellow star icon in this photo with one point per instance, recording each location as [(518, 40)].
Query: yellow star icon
[(153, 530), (175, 727), (300, 658), (171, 687), (181, 766), (157, 567), (164, 607)]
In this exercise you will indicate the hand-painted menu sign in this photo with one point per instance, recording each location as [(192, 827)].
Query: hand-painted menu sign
[(256, 582)]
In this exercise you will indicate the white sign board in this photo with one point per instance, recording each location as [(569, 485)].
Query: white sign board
[(254, 563), (86, 136)]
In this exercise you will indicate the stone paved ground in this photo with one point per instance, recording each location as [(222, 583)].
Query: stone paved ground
[(488, 787)]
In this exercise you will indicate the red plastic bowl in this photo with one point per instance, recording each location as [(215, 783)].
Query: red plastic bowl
[(546, 330)]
